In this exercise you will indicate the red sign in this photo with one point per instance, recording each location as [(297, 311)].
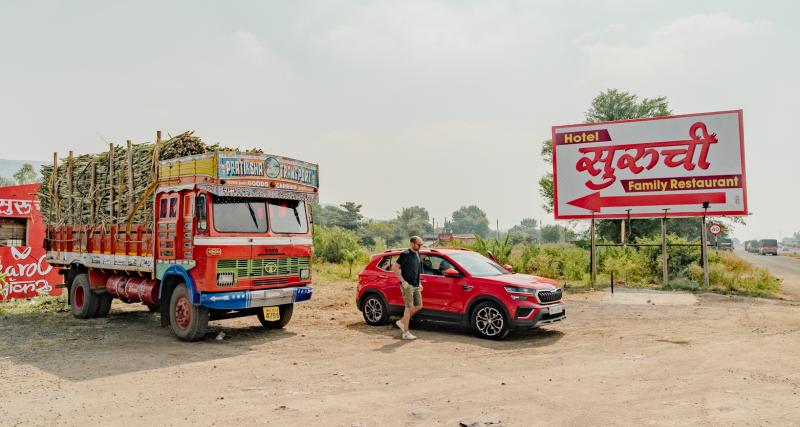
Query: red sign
[(445, 237), (715, 229), (24, 273), (688, 165)]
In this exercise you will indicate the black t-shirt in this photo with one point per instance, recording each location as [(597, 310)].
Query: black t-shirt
[(410, 266)]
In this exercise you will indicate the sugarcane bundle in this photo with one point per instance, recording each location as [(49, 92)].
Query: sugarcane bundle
[(103, 188)]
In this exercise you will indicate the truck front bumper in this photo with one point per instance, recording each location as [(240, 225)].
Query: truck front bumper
[(258, 298)]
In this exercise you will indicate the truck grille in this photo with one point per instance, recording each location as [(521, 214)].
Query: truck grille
[(267, 281), (549, 296), (263, 267)]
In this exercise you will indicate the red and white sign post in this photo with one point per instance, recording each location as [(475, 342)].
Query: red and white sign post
[(686, 165)]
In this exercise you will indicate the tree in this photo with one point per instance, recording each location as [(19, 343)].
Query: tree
[(607, 106), (373, 233), (557, 233), (6, 182), (350, 216), (26, 174), (551, 234), (412, 221), (525, 232), (470, 219)]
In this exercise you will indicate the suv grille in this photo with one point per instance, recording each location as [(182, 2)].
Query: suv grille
[(263, 267), (549, 296)]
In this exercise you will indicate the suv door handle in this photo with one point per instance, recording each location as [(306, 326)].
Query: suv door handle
[(383, 276), (466, 287)]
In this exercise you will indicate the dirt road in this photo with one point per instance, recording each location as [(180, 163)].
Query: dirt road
[(785, 267), (634, 358)]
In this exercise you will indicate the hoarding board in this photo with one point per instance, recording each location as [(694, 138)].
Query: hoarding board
[(647, 166)]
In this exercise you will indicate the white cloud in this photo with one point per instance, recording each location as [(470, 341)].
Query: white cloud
[(249, 43), (671, 44)]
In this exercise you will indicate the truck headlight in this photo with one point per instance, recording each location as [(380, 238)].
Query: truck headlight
[(305, 273), (226, 279)]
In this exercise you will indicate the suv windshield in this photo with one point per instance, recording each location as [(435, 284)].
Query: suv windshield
[(240, 215), (478, 265), (288, 216)]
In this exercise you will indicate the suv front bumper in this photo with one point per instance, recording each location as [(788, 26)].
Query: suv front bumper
[(237, 300), (539, 316)]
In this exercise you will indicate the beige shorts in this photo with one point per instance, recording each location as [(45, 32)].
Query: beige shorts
[(411, 295)]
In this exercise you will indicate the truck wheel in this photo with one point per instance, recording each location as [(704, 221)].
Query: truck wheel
[(83, 302), (103, 305), (286, 315), (489, 321), (375, 310), (187, 321)]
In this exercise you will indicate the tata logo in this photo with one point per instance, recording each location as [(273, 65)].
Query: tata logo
[(270, 268)]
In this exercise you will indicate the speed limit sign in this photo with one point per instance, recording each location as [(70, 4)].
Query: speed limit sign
[(715, 229)]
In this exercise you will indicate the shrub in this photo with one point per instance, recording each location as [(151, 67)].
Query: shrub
[(335, 244)]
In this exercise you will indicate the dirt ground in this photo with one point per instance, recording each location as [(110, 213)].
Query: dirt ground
[(634, 358)]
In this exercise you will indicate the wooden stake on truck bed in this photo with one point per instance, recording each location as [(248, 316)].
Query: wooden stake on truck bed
[(93, 192), (71, 189), (111, 180), (130, 176), (54, 187)]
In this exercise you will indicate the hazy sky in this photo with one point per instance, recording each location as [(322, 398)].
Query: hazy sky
[(432, 103)]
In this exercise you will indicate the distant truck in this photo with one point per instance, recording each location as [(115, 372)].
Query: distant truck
[(768, 247), (198, 237), (725, 245)]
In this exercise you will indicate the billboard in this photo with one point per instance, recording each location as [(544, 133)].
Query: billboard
[(649, 167)]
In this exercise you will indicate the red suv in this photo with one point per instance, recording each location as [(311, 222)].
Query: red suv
[(465, 287)]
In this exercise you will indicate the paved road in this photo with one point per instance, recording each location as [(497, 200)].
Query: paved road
[(785, 267)]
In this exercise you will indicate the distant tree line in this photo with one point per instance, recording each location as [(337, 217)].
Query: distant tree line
[(25, 175)]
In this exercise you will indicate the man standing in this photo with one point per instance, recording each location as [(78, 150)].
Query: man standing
[(407, 268)]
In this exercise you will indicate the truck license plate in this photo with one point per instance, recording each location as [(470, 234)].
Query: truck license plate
[(272, 313), (557, 309)]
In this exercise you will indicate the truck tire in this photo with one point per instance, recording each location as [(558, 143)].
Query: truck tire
[(83, 303), (489, 321), (286, 315), (188, 322), (103, 305)]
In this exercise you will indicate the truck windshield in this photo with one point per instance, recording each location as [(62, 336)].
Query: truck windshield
[(288, 216), (240, 215)]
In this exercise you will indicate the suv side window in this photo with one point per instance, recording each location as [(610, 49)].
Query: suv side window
[(435, 265), (387, 262)]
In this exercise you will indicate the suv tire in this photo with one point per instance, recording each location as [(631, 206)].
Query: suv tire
[(375, 310), (489, 321)]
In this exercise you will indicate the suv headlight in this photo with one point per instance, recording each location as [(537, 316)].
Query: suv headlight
[(518, 290), (305, 273)]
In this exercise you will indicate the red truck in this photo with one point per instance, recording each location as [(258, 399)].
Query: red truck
[(215, 235)]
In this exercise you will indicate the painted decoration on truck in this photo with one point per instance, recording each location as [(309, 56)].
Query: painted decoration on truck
[(686, 165), (234, 166)]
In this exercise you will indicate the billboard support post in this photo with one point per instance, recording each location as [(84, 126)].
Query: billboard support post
[(703, 246), (593, 255), (664, 255)]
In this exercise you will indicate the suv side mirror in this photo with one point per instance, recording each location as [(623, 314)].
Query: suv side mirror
[(508, 267), (451, 272)]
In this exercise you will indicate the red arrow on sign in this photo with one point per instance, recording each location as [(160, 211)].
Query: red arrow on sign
[(594, 202)]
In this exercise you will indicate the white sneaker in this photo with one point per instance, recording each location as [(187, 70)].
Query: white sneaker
[(408, 336), (399, 324)]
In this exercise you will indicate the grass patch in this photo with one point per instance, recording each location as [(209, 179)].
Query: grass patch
[(40, 304), (331, 272), (729, 274)]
